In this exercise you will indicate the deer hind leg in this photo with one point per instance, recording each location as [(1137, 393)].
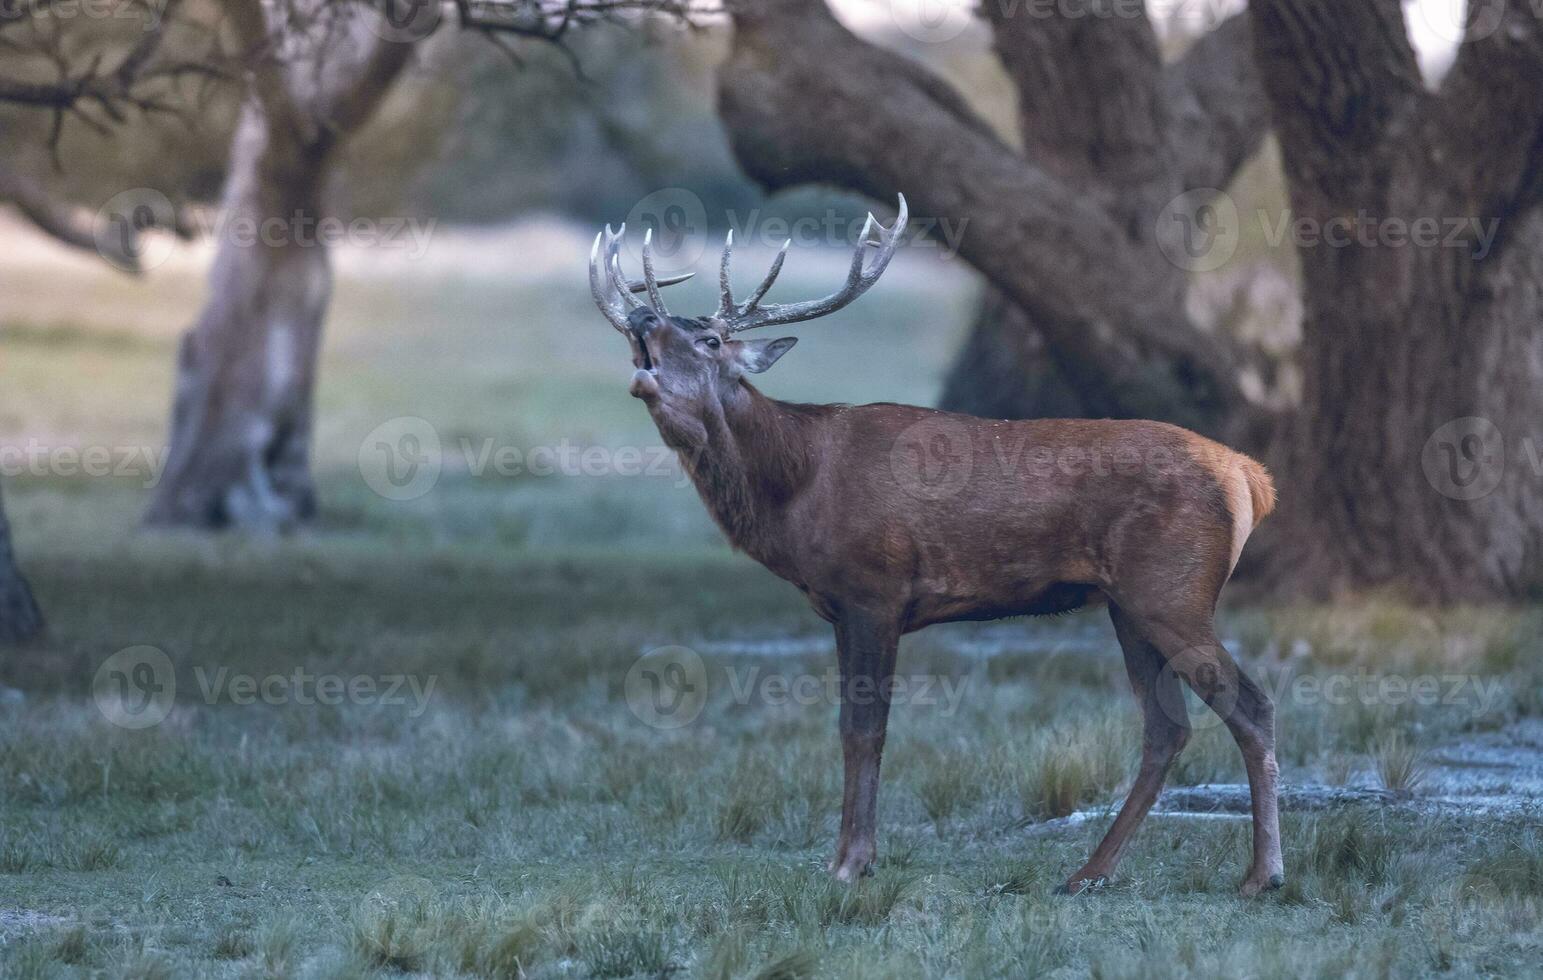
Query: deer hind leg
[(1194, 654), (866, 648), (1165, 730)]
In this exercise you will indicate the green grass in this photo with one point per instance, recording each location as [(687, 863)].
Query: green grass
[(517, 819)]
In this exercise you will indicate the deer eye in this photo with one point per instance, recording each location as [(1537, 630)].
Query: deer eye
[(713, 343)]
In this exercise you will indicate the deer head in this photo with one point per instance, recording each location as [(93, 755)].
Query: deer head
[(688, 368)]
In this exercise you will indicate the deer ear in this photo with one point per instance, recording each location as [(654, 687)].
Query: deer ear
[(758, 355)]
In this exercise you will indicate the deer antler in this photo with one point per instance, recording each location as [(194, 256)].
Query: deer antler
[(751, 314), (613, 292)]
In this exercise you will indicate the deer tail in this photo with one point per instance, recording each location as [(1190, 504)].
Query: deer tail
[(1261, 488)]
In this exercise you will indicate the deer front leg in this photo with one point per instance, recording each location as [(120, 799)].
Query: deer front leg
[(866, 648)]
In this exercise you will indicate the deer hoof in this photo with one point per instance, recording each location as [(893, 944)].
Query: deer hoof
[(854, 863), (1080, 884), (1254, 886)]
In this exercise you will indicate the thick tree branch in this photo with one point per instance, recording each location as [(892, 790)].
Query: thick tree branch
[(806, 101), (1106, 140), (1217, 111), (62, 221)]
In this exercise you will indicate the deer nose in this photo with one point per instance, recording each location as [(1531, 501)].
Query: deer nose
[(642, 322)]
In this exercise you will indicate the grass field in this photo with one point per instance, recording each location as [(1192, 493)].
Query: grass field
[(488, 800)]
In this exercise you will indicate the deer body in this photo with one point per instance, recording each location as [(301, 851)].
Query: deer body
[(1048, 516), (1029, 517)]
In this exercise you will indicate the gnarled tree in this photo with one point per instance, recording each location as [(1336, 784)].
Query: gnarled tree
[(241, 415), (1069, 233), (246, 373)]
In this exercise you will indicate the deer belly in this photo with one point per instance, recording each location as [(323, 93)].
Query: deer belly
[(1036, 599)]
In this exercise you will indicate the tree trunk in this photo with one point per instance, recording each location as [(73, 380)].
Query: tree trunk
[(242, 409), (20, 619), (1184, 127), (241, 417), (1413, 461)]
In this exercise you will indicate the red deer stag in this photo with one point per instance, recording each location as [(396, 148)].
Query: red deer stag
[(1143, 516)]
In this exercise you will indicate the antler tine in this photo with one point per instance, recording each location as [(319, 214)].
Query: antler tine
[(619, 282), (649, 281), (597, 289), (751, 315), (613, 292), (771, 277), (725, 288)]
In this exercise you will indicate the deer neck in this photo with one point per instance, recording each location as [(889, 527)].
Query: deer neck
[(755, 457)]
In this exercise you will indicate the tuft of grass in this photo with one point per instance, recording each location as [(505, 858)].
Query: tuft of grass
[(800, 964), (948, 782), (232, 943), (1513, 868), (626, 952), (1072, 765), (1339, 768), (73, 946), (1401, 765)]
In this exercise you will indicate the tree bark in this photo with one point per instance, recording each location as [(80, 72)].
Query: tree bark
[(20, 618), (246, 372), (804, 100), (1412, 462), (1184, 127)]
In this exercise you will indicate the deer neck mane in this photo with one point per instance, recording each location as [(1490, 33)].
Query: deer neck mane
[(758, 454)]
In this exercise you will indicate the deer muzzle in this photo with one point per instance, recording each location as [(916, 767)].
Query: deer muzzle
[(645, 386)]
